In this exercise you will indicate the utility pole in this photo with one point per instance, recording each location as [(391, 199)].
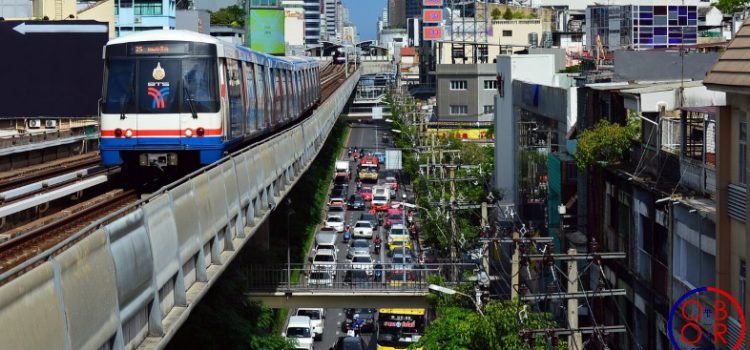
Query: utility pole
[(485, 244), (514, 267), (575, 340)]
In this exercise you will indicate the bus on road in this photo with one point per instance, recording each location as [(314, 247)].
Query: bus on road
[(399, 328)]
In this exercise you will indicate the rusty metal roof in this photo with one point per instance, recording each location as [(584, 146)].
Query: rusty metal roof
[(732, 70)]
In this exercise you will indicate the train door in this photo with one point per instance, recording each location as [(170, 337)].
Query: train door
[(251, 115), (158, 117), (234, 95), (260, 85)]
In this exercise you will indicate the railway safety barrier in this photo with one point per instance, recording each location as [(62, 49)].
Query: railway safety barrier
[(130, 284)]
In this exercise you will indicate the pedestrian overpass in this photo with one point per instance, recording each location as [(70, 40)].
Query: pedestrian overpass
[(330, 286)]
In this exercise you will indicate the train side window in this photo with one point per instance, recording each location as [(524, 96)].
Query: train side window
[(261, 90)]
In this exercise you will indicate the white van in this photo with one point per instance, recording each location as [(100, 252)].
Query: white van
[(342, 166), (317, 319), (300, 329), (380, 195), (325, 240)]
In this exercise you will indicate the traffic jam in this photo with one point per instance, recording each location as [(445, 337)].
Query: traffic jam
[(368, 239)]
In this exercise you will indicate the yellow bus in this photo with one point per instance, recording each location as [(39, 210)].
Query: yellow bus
[(399, 328)]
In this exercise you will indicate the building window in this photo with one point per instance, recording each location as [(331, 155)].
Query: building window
[(459, 109), (489, 109), (742, 154), (147, 8), (507, 33), (490, 84), (458, 84)]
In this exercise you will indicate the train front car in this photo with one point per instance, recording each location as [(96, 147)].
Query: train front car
[(161, 103)]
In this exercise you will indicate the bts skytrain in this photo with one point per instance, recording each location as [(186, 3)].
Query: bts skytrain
[(174, 98)]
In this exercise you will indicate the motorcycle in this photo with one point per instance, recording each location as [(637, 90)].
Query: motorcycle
[(347, 235)]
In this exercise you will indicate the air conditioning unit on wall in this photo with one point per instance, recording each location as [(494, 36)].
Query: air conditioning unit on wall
[(34, 123)]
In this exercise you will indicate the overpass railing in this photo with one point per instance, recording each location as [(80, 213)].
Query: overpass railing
[(366, 277), (129, 280)]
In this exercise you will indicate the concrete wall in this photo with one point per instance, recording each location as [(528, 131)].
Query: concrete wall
[(47, 8), (475, 96), (102, 11), (11, 9), (531, 68), (638, 65), (195, 20)]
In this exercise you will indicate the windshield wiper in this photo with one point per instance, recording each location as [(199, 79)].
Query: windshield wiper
[(128, 96), (189, 99)]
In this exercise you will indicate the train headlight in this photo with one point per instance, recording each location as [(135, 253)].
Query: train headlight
[(118, 132), (201, 132), (189, 132), (129, 133)]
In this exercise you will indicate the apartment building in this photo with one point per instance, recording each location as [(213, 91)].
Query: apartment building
[(465, 92), (733, 212)]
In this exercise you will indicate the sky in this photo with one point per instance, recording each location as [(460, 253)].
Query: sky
[(364, 14)]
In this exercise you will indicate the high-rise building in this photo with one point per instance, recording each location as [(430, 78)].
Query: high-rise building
[(397, 13), (413, 9), (312, 22), (331, 7)]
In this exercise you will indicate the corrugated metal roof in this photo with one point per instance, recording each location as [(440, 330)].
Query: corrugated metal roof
[(732, 71)]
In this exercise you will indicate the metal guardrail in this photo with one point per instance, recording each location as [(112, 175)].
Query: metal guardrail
[(379, 277)]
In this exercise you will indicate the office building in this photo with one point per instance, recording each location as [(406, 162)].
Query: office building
[(140, 15), (312, 22), (396, 13), (641, 27)]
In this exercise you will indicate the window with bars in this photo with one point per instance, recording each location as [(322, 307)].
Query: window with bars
[(458, 84), (490, 84), (507, 33), (459, 109), (742, 153)]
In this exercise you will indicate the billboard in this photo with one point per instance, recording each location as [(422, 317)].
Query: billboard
[(432, 15), (266, 31), (432, 33), (51, 68), (432, 2)]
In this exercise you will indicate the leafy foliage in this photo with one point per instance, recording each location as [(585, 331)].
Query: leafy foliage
[(606, 143), (730, 6), (508, 14), (496, 14), (229, 16), (571, 69), (459, 326)]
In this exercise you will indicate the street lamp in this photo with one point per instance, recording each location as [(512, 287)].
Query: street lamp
[(449, 291), (289, 213)]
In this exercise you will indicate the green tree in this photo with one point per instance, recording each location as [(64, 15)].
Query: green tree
[(605, 144), (730, 6), (519, 15), (496, 14), (229, 16), (460, 327), (508, 14)]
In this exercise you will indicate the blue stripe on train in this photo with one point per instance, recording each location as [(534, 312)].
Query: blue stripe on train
[(211, 149)]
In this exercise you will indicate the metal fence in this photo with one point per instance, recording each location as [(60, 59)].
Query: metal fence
[(349, 276)]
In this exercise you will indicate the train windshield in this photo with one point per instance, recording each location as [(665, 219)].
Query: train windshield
[(161, 85)]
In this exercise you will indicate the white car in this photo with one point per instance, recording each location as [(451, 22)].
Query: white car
[(317, 319), (320, 278), (363, 229), (363, 262), (300, 330), (335, 222), (325, 260)]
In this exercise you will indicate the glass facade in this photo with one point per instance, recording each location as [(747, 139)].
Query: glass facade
[(642, 27), (656, 27)]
